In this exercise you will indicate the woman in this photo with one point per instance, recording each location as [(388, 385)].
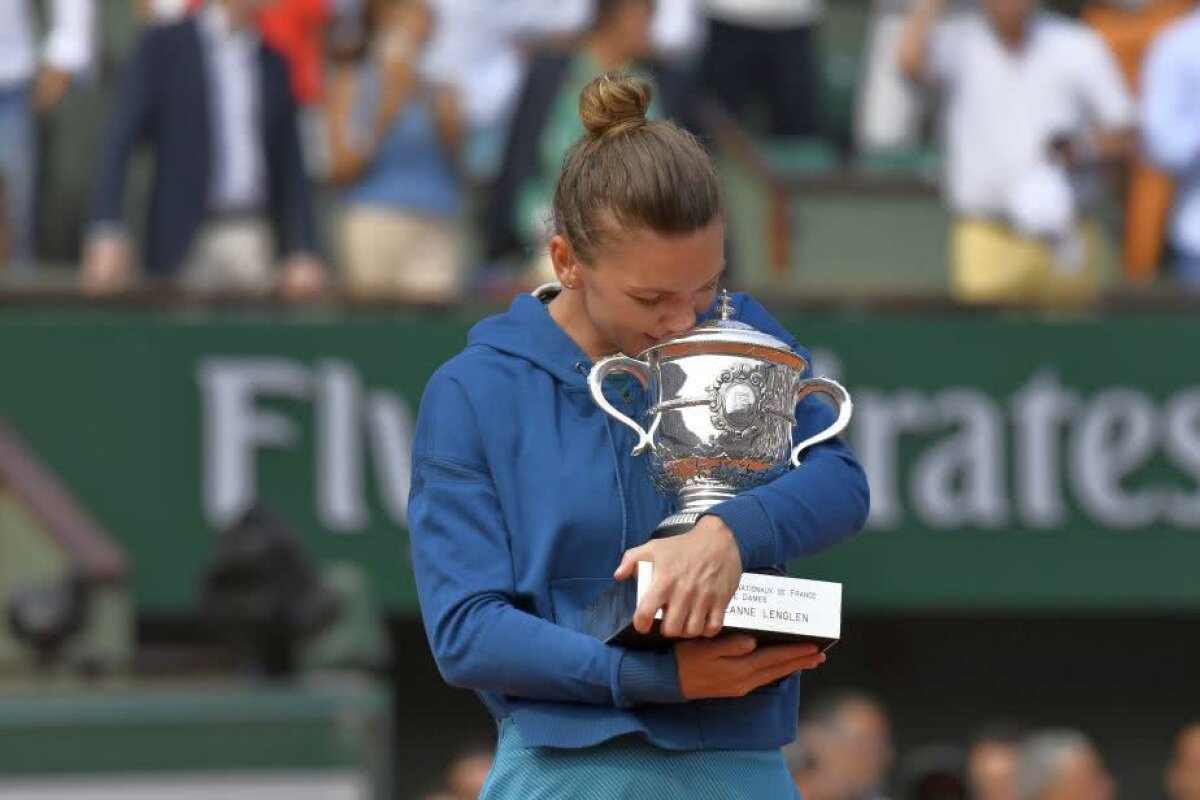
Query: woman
[(393, 143), (525, 499)]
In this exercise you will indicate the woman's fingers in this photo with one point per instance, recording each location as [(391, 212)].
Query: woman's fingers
[(697, 622), (714, 622), (782, 669), (690, 614), (678, 605), (629, 561), (767, 657)]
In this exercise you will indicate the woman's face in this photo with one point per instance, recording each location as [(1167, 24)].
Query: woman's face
[(641, 287)]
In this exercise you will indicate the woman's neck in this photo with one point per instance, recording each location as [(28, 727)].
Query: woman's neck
[(568, 311)]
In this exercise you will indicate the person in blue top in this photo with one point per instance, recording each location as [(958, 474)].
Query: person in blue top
[(1171, 133), (394, 141), (526, 502)]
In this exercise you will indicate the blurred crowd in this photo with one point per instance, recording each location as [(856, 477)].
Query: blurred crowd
[(431, 131), (845, 751)]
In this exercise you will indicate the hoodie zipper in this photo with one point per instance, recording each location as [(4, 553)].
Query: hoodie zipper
[(582, 368)]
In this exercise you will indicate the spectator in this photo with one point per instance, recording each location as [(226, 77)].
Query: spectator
[(479, 48), (547, 122), (891, 111), (933, 772), (766, 50), (992, 763), (844, 748), (393, 141), (215, 105), (1128, 27), (293, 28), (1183, 774), (1062, 765), (1170, 114), (1034, 105), (31, 84)]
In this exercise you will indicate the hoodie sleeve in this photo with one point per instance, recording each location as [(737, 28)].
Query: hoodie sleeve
[(462, 560), (807, 509)]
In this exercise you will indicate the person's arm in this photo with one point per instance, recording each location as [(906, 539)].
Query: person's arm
[(463, 563), (914, 46), (106, 251), (347, 160), (301, 226), (129, 125), (1098, 148), (69, 50), (303, 274), (1170, 107), (1111, 138), (447, 115), (807, 509)]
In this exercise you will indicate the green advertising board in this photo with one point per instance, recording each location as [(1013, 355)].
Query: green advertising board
[(1015, 464)]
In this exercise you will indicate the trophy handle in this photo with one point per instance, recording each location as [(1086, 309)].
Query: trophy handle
[(630, 366), (844, 405)]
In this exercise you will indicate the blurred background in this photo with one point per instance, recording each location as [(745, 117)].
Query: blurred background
[(238, 236)]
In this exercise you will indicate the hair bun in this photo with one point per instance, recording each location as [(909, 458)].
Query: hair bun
[(614, 103)]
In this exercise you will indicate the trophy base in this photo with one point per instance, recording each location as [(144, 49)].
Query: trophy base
[(774, 609)]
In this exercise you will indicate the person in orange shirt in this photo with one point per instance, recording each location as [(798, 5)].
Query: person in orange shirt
[(1128, 27), (295, 29)]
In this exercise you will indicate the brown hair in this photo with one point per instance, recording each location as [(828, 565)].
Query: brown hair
[(644, 174)]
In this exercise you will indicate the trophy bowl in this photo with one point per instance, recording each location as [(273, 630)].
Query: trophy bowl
[(723, 399)]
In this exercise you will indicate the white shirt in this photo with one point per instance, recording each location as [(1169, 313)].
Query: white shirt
[(238, 171), (69, 46), (167, 10), (767, 14), (1003, 108), (678, 27)]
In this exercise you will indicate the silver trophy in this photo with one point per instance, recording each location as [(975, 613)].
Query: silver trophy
[(723, 400)]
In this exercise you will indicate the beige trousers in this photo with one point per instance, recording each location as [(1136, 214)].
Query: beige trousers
[(389, 253), (990, 263)]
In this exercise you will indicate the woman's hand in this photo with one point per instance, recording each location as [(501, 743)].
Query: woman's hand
[(733, 666), (695, 576)]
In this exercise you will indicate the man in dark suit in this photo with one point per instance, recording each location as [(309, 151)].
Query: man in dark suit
[(229, 191)]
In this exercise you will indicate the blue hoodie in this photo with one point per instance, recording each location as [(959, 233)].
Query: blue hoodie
[(524, 498)]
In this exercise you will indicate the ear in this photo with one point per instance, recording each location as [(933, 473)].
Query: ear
[(566, 265)]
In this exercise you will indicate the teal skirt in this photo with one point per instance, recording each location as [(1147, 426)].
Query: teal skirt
[(629, 768)]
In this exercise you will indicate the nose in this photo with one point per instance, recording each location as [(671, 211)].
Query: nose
[(680, 316)]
